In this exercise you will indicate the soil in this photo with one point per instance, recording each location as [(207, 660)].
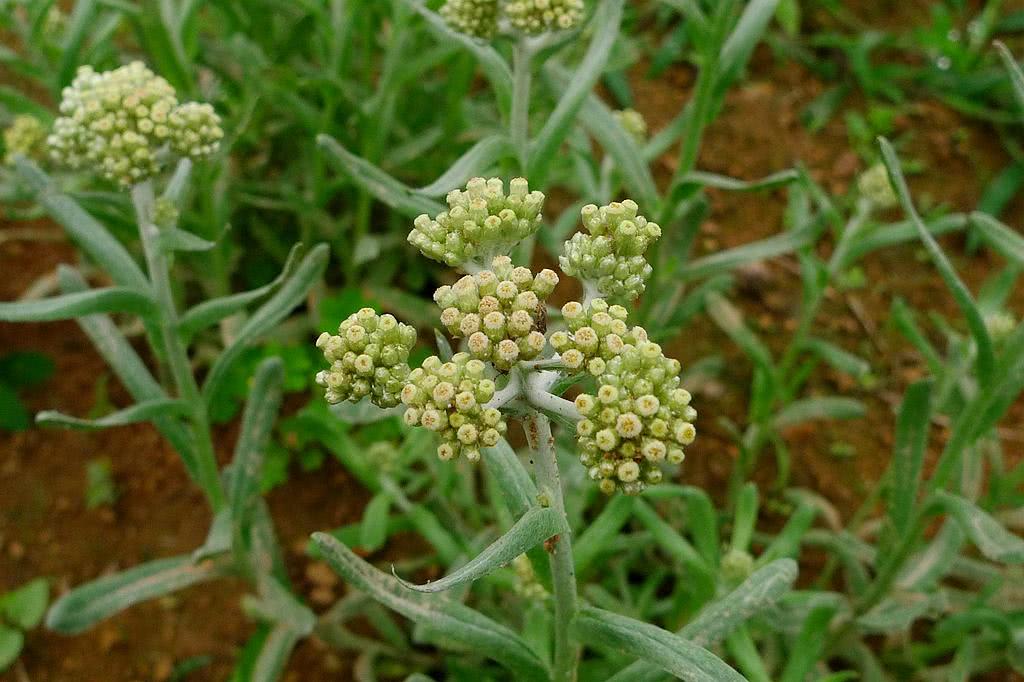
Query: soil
[(45, 528)]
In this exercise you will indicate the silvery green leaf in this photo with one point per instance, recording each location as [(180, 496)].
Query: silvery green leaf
[(218, 537), (477, 159), (512, 477), (987, 534), (729, 259), (275, 651), (838, 358), (291, 293), (460, 624), (364, 412), (924, 570), (716, 181), (86, 605), (140, 412), (1000, 237), (24, 606), (595, 538), (896, 613), (1016, 75), (744, 38), (810, 409), (809, 643), (69, 306), (175, 239), (373, 531), (661, 648), (908, 453), (535, 526)]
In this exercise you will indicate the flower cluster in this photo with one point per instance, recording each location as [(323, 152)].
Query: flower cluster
[(541, 16), (875, 186), (596, 333), (448, 398), (120, 123), (477, 18), (638, 418), (1000, 325), (481, 222), (633, 122), (500, 311), (610, 255), (369, 357), (25, 136)]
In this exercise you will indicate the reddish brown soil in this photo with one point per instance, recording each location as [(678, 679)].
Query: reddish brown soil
[(46, 530)]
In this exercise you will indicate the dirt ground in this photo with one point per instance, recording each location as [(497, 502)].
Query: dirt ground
[(46, 530)]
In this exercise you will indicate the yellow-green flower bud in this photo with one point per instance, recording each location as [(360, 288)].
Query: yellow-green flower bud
[(633, 122), (481, 222), (541, 16), (477, 18), (25, 136), (874, 185), (368, 357), (596, 333)]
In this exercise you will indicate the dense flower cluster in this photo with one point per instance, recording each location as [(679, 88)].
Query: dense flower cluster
[(638, 418), (368, 357), (481, 222), (540, 16), (25, 136), (120, 123), (448, 398), (633, 122), (874, 185), (499, 311), (610, 255), (1000, 325), (477, 18), (595, 334)]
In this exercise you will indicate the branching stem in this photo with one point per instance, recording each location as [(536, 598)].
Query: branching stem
[(522, 77)]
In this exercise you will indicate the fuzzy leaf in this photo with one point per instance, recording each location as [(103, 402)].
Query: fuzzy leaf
[(987, 534), (274, 653), (672, 653), (175, 239), (84, 606), (810, 409), (730, 259), (458, 622), (512, 477), (69, 306), (138, 413), (908, 453), (474, 162), (535, 526), (1000, 237), (1016, 75)]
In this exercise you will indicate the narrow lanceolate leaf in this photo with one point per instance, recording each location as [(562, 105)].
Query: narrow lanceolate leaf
[(606, 30), (908, 454), (536, 526), (387, 189), (744, 38), (475, 161), (596, 537), (896, 613), (459, 623), (704, 179), (671, 653), (1000, 237), (86, 231), (730, 320), (809, 644), (69, 306), (276, 308), (810, 409), (730, 259), (257, 424), (1016, 75), (84, 606), (174, 239), (985, 360), (987, 534), (274, 653), (213, 311), (140, 412), (511, 476)]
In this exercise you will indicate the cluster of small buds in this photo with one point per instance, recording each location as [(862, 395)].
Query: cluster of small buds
[(368, 357), (737, 565), (25, 137), (55, 23), (527, 584), (633, 122), (610, 255), (875, 186), (477, 18), (119, 123), (541, 16), (448, 398), (1000, 325), (638, 418), (595, 334), (481, 222), (500, 312)]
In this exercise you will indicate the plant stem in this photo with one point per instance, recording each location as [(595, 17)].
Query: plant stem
[(175, 351), (519, 123), (563, 570), (536, 387)]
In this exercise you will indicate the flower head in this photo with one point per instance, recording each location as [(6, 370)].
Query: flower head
[(25, 136), (541, 16), (122, 124), (595, 334), (499, 311), (368, 357), (874, 185), (481, 222), (639, 418), (633, 122), (610, 255), (448, 398), (477, 18)]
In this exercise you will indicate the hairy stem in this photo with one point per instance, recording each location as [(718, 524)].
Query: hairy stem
[(536, 389), (519, 124), (563, 571), (176, 353)]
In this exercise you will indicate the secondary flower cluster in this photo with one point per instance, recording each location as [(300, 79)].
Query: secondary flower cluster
[(24, 136), (634, 123), (368, 357), (638, 418), (121, 123), (874, 185), (481, 18), (610, 255), (481, 222), (596, 333), (500, 311), (448, 398)]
